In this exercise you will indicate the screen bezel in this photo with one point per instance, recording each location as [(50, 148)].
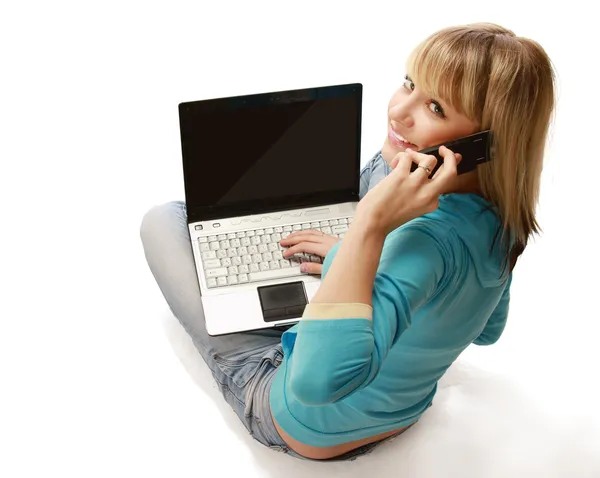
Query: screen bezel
[(201, 213)]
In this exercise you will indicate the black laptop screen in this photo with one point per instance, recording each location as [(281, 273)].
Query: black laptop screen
[(271, 151)]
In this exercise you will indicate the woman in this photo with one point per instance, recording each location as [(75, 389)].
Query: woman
[(424, 270)]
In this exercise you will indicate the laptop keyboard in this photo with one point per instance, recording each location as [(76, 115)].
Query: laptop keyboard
[(255, 255)]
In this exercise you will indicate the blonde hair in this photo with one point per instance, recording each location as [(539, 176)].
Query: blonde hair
[(504, 83)]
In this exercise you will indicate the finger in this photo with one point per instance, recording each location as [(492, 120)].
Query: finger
[(425, 164), (447, 172), (316, 248), (311, 268), (458, 160), (403, 161), (306, 235)]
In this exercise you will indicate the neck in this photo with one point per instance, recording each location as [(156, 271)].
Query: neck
[(467, 183)]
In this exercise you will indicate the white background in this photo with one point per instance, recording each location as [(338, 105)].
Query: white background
[(98, 379)]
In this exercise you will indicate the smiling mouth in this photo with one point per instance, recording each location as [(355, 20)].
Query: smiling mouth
[(401, 140)]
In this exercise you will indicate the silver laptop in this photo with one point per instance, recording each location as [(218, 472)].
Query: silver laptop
[(257, 168)]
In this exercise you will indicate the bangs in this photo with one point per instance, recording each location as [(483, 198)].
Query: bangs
[(450, 67)]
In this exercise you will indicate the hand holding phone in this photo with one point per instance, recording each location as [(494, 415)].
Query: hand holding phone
[(475, 149)]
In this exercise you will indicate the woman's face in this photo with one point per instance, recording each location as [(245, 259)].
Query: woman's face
[(417, 121)]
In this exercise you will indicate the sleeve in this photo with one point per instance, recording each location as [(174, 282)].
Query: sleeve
[(342, 353), (497, 322), (365, 179)]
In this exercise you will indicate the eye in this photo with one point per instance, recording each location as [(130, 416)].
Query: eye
[(437, 109), (408, 81)]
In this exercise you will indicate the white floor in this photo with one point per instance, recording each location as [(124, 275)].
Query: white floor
[(98, 378)]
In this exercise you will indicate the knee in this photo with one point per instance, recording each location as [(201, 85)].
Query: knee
[(160, 220)]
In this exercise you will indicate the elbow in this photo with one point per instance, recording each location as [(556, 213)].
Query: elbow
[(486, 339)]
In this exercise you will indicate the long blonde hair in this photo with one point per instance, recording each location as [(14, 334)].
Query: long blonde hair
[(504, 83)]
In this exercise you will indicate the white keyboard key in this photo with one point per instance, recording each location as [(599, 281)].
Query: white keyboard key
[(295, 261), (245, 241), (260, 232), (263, 248), (279, 229), (233, 270), (274, 265), (212, 282), (269, 230), (231, 235), (333, 222), (326, 230), (287, 228), (297, 227), (276, 237), (231, 252), (214, 246), (264, 266), (204, 247), (247, 259), (274, 246), (221, 272), (209, 255), (267, 256), (284, 263), (254, 267), (276, 274), (221, 281), (250, 234), (235, 243), (221, 254), (212, 238), (324, 223), (343, 221), (226, 262), (350, 220), (203, 239), (256, 258), (243, 278), (255, 240), (285, 234), (224, 244), (236, 261), (314, 224), (242, 251), (341, 236), (266, 239), (212, 264), (221, 237), (277, 255), (339, 229), (243, 269), (240, 235), (232, 280), (305, 226), (252, 250)]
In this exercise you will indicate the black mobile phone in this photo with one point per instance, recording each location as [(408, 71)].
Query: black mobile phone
[(475, 149)]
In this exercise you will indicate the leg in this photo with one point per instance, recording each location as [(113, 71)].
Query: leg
[(233, 359)]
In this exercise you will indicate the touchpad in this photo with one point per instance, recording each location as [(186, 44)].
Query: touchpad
[(282, 301)]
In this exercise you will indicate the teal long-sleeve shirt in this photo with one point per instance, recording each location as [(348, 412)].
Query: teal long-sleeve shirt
[(362, 370)]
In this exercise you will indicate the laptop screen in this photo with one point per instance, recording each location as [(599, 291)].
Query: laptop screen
[(273, 151)]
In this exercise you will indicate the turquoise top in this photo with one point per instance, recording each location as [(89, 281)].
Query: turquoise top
[(362, 370)]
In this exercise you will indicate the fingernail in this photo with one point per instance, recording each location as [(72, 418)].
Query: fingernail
[(302, 268), (408, 150)]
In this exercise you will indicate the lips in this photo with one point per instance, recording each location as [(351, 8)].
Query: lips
[(400, 141)]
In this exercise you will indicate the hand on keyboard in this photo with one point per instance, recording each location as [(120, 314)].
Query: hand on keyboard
[(309, 241)]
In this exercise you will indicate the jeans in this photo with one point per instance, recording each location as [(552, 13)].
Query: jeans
[(243, 364)]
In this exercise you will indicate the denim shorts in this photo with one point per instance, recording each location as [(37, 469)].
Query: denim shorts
[(243, 364)]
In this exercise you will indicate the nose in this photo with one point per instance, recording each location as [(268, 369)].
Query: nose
[(401, 113)]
